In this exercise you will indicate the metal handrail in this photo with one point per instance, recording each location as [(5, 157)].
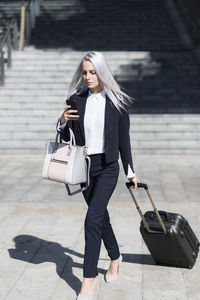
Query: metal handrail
[(7, 32), (28, 5), (28, 16), (10, 43), (27, 23)]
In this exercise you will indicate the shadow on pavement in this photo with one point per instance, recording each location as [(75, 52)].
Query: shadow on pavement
[(144, 259), (35, 250)]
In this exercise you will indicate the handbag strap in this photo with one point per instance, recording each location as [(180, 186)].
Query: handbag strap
[(72, 141), (72, 138), (87, 181)]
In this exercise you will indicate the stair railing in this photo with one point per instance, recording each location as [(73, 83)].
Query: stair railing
[(9, 41), (29, 13)]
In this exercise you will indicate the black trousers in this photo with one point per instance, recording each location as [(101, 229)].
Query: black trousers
[(103, 180)]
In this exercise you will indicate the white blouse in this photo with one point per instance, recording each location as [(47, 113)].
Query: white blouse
[(94, 120)]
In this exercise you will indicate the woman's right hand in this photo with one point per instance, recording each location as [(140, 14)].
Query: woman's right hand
[(68, 114)]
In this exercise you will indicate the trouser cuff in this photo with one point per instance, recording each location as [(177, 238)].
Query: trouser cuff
[(90, 274)]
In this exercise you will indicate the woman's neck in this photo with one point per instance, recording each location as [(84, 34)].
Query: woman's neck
[(96, 90)]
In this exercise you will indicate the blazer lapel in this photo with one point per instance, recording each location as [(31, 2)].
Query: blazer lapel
[(108, 117)]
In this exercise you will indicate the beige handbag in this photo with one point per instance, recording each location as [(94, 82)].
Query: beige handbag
[(67, 163)]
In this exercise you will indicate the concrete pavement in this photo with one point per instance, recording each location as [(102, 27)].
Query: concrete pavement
[(42, 242)]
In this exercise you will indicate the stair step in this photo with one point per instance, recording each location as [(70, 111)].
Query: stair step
[(26, 112), (169, 144), (25, 105), (137, 147), (137, 129), (35, 92), (10, 87), (40, 74), (134, 121), (37, 68), (31, 53), (30, 119), (164, 127), (28, 127), (165, 119), (59, 69), (70, 62), (36, 86), (11, 80), (48, 99), (190, 137), (50, 74), (49, 124)]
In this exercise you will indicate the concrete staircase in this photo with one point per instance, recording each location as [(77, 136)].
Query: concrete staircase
[(163, 79), (167, 81), (165, 133), (34, 96), (10, 9), (105, 25)]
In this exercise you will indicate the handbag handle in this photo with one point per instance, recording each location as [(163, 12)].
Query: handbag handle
[(87, 180), (72, 141)]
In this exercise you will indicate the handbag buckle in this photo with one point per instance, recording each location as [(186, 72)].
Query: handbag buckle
[(85, 151), (69, 151)]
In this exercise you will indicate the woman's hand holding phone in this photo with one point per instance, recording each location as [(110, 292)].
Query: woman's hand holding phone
[(69, 114)]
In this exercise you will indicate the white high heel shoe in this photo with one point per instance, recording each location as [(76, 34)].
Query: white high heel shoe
[(110, 278), (80, 297)]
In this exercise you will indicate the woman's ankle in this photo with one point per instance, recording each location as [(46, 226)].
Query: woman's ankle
[(87, 285), (88, 279)]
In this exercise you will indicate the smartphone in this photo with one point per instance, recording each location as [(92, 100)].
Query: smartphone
[(73, 106)]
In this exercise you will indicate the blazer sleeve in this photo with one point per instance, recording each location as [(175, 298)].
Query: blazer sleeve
[(64, 129), (124, 142)]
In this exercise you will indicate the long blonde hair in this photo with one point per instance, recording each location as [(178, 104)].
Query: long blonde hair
[(111, 87)]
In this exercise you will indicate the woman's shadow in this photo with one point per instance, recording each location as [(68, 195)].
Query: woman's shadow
[(35, 250)]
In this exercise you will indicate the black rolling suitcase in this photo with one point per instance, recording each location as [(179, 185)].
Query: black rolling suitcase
[(168, 236)]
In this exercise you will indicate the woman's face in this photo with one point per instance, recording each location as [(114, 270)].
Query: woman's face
[(90, 77)]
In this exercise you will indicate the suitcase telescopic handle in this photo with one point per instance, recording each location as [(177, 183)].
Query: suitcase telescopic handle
[(140, 185), (144, 186)]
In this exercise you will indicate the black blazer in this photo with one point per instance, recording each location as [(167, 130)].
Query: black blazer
[(117, 126)]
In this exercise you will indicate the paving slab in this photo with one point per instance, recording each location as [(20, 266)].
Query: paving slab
[(42, 232)]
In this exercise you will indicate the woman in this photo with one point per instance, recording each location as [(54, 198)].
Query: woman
[(101, 122)]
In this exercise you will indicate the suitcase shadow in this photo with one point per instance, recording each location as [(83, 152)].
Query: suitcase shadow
[(134, 258)]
